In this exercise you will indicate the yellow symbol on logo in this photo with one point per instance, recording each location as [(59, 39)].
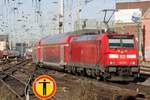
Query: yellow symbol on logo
[(44, 87)]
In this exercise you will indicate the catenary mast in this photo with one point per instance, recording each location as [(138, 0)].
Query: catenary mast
[(61, 17)]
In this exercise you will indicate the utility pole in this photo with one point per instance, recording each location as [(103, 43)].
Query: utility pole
[(78, 14), (137, 19), (61, 17), (143, 48), (139, 40)]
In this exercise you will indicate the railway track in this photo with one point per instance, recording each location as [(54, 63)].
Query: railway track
[(120, 90), (19, 86), (15, 85), (19, 79), (141, 91)]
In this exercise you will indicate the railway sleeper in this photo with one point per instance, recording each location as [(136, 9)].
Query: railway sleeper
[(14, 85), (17, 87), (11, 71), (2, 75), (12, 91)]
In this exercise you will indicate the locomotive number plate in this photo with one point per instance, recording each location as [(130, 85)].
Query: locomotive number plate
[(122, 56)]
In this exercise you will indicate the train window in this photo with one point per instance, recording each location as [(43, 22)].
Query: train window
[(114, 40), (128, 43), (114, 43), (121, 42)]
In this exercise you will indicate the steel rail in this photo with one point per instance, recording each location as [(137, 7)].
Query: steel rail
[(10, 87), (28, 85), (8, 73)]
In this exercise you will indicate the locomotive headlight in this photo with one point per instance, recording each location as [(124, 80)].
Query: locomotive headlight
[(113, 56), (112, 63), (133, 63), (131, 56)]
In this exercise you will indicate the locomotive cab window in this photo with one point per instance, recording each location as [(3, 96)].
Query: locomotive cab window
[(121, 41)]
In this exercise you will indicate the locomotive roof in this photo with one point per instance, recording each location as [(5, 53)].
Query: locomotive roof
[(53, 38), (85, 37)]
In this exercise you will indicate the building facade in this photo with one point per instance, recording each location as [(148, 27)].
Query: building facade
[(137, 28)]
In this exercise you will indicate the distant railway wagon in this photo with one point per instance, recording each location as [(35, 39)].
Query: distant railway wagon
[(11, 53), (107, 56)]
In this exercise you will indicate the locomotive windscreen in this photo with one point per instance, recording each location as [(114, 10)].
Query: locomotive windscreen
[(121, 41)]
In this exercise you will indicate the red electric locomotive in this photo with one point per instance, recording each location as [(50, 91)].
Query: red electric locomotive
[(107, 56)]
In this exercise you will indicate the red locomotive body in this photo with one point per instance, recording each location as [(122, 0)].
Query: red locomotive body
[(84, 51), (109, 56), (122, 50)]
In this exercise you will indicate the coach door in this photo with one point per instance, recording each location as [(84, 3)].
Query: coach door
[(62, 47), (64, 54), (100, 51)]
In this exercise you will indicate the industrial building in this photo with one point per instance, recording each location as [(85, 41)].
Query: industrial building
[(129, 10)]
